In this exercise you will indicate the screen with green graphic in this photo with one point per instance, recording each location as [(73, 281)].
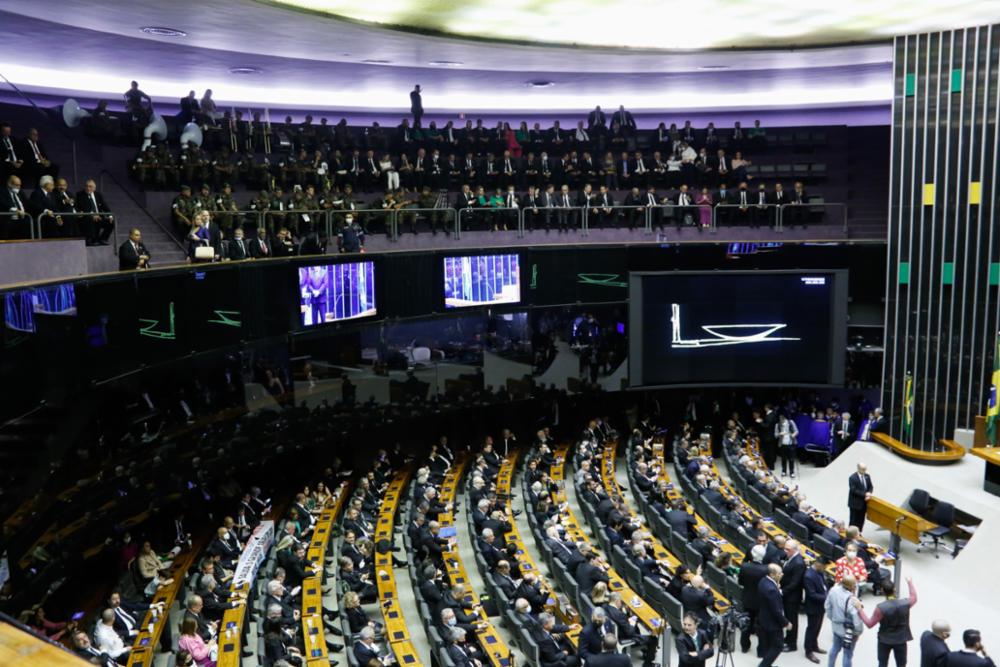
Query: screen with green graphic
[(216, 308), (556, 276)]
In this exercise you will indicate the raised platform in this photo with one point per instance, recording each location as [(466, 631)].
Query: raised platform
[(948, 451)]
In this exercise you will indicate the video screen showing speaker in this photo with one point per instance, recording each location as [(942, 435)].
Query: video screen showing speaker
[(336, 292), (737, 327), (22, 306), (481, 280)]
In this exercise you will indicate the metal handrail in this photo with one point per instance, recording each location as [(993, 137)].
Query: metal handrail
[(16, 215), (487, 209), (79, 214), (811, 207), (128, 193), (664, 208), (750, 206), (625, 207), (444, 211)]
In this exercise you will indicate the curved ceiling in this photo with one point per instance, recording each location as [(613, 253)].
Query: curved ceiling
[(307, 61), (662, 24)]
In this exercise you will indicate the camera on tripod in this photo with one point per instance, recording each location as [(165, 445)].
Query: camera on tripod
[(725, 626)]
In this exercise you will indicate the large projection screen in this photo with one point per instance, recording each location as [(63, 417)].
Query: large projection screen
[(737, 328)]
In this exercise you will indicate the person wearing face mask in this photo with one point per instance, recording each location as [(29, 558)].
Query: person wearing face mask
[(851, 564), (15, 226)]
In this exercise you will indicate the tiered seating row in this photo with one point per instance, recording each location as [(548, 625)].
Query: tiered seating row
[(646, 614), (312, 587), (396, 633), (143, 648), (493, 644)]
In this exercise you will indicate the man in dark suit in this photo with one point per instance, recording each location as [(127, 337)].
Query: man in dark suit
[(133, 254), (42, 205), (260, 246), (694, 646), (416, 108), (934, 645), (680, 521), (751, 572), (96, 228), (15, 226), (552, 646), (609, 656), (973, 655), (771, 620), (844, 430), (697, 599), (491, 554), (237, 248), (36, 161), (792, 579), (596, 121), (11, 157), (589, 572), (591, 639), (364, 649), (83, 648), (815, 589), (859, 491), (768, 441)]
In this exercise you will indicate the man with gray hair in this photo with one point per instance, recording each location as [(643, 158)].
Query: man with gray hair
[(42, 204), (591, 637), (751, 572), (553, 648), (364, 648), (488, 550)]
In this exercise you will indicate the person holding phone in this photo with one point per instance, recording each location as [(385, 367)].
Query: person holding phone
[(973, 655)]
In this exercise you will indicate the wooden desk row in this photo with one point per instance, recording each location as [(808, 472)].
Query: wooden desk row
[(396, 633), (645, 613), (753, 450), (144, 646), (313, 636), (527, 564), (490, 640), (950, 451), (660, 552)]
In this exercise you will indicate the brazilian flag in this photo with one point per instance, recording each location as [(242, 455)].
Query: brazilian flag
[(908, 408), (993, 405)]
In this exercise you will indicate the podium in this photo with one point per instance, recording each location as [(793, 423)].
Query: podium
[(902, 524)]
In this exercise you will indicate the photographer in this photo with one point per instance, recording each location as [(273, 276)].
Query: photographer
[(693, 645)]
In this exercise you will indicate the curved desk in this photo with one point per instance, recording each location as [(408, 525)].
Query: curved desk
[(313, 637), (949, 450)]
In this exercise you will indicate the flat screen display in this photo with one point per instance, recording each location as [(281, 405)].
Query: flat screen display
[(481, 280), (21, 307), (335, 292), (737, 327)]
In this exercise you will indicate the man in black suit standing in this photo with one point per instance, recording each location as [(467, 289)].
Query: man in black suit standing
[(843, 433), (793, 574), (772, 622), (752, 571), (934, 645), (815, 589), (596, 121), (96, 227), (694, 646), (768, 441), (973, 655), (43, 207), (133, 254), (416, 105), (859, 491)]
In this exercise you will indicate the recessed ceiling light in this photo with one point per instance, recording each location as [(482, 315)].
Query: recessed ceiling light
[(539, 83), (373, 61), (163, 32), (713, 67), (446, 63), (245, 69)]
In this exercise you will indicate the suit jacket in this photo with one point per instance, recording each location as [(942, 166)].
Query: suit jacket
[(587, 575), (965, 659), (816, 590), (10, 202), (858, 486), (771, 616), (697, 602), (609, 660), (933, 650), (84, 204), (363, 653), (591, 639), (750, 576), (256, 251), (128, 258), (686, 644), (681, 522), (458, 656), (237, 250), (792, 580), (549, 652)]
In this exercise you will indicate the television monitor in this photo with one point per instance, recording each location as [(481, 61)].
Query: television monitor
[(20, 307), (336, 292), (737, 327), (481, 280)]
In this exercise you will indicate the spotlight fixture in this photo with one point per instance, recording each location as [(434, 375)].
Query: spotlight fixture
[(446, 63), (245, 69), (163, 32), (375, 61), (713, 67), (539, 83)]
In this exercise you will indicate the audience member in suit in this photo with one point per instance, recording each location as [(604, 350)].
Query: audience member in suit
[(627, 628), (10, 152), (364, 649), (237, 248), (260, 245), (694, 646), (42, 205), (530, 590), (844, 432), (751, 572), (698, 599), (96, 228), (36, 161), (973, 655), (589, 573), (860, 489), (771, 620), (12, 201), (816, 588), (792, 578), (609, 656), (553, 648), (591, 639), (133, 254), (205, 628), (680, 521), (934, 645), (83, 648)]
